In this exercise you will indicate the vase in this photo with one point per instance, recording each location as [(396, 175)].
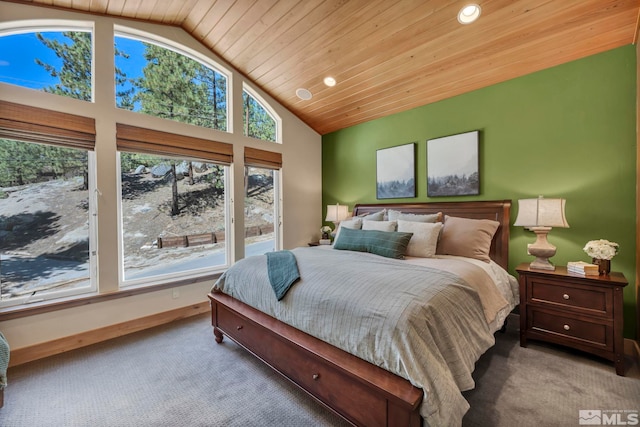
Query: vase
[(604, 265)]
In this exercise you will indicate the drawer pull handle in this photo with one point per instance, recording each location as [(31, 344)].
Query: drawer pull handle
[(567, 327), (565, 296), (316, 376), (238, 327)]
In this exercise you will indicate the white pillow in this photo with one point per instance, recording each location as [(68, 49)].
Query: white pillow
[(379, 225), (355, 223), (424, 241)]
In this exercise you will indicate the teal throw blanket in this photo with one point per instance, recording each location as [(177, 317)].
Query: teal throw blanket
[(282, 270)]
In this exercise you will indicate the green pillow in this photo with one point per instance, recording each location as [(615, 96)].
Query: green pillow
[(390, 244)]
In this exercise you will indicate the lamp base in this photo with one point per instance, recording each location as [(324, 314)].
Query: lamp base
[(541, 249), (542, 264)]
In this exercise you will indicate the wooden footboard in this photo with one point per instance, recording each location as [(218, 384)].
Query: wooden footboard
[(358, 391)]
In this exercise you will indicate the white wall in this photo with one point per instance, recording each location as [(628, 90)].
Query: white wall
[(301, 180)]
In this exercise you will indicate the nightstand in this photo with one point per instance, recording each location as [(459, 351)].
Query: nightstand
[(581, 312)]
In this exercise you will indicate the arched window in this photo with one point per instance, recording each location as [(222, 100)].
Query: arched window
[(155, 78), (55, 59), (257, 119)]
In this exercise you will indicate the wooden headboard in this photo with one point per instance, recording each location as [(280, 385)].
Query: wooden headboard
[(497, 210)]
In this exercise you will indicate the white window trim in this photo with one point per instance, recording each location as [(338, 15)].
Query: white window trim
[(12, 28), (277, 195)]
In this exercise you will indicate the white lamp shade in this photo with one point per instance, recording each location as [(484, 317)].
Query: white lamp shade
[(337, 213), (541, 212)]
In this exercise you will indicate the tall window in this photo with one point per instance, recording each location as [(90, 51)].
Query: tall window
[(57, 62), (46, 221), (261, 219), (162, 82), (173, 208), (257, 121), (262, 201)]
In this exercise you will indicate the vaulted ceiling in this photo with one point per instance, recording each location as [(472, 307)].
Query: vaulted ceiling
[(387, 56)]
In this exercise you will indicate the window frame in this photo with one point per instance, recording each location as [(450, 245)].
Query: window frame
[(267, 107), (92, 289), (264, 159), (151, 141), (106, 161), (277, 205), (150, 281), (145, 37), (11, 28)]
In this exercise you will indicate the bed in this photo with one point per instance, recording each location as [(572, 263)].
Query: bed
[(386, 368)]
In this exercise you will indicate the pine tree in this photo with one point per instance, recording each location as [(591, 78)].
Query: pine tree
[(176, 87), (74, 81), (20, 162), (167, 88), (124, 95), (74, 77), (256, 120), (214, 102)]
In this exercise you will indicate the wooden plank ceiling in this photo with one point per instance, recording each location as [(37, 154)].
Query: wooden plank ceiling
[(387, 56)]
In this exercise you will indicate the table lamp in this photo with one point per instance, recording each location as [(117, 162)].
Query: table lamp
[(540, 215), (337, 213)]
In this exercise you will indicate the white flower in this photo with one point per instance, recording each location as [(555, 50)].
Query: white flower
[(601, 249), (326, 229)]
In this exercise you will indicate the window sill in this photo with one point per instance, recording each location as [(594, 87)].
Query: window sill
[(76, 301)]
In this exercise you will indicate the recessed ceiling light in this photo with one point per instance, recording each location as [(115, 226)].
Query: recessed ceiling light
[(303, 94), (330, 81), (469, 13)]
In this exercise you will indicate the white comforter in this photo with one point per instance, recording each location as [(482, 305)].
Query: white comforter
[(427, 320)]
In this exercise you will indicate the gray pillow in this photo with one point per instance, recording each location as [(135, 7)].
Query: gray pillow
[(376, 216), (379, 225), (397, 215), (390, 244)]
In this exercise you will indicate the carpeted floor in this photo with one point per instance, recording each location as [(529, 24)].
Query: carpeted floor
[(176, 375), (545, 385)]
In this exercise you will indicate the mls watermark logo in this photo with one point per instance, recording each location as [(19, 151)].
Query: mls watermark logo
[(598, 417), (590, 417)]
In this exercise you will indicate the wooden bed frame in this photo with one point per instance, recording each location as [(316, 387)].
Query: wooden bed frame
[(358, 391)]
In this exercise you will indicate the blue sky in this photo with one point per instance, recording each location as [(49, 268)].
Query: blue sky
[(18, 53), (17, 60)]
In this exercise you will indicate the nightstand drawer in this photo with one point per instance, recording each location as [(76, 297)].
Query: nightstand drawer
[(592, 333), (591, 300)]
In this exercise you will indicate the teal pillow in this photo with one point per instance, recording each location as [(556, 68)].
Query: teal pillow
[(390, 244)]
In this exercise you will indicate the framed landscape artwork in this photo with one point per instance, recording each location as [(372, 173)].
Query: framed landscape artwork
[(395, 172), (452, 165)]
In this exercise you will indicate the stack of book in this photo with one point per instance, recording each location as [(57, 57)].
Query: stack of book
[(581, 267)]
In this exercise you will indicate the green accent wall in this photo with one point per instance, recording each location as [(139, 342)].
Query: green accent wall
[(568, 131)]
